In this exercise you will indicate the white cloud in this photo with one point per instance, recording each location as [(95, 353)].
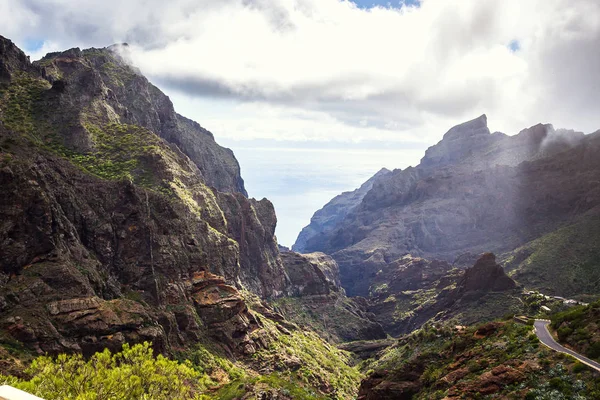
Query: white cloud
[(447, 59)]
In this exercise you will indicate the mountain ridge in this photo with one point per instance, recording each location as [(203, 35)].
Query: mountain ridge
[(473, 192)]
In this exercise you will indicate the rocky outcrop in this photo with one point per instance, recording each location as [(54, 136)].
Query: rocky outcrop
[(320, 304), (485, 275), (12, 60), (326, 219), (311, 274), (411, 291), (474, 191)]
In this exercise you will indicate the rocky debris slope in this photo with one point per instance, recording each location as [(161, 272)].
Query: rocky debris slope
[(326, 219), (121, 221), (319, 303), (474, 191)]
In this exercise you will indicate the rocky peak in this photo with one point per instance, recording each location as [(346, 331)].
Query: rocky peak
[(459, 143), (485, 275), (474, 127), (12, 59)]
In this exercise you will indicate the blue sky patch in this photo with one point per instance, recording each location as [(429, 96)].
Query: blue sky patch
[(514, 46), (366, 4), (33, 44)]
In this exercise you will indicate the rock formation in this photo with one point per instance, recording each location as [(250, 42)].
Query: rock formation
[(485, 275), (412, 291), (319, 303)]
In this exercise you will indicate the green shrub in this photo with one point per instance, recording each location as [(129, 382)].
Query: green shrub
[(579, 367)]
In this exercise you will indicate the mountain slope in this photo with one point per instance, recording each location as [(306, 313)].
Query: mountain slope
[(110, 233), (495, 360)]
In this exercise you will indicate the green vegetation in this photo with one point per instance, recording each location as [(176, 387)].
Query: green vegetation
[(121, 152), (565, 262), (579, 328), (334, 317), (21, 104), (494, 360), (133, 373), (312, 363)]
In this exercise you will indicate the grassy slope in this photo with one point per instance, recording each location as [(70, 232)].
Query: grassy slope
[(565, 262), (579, 328)]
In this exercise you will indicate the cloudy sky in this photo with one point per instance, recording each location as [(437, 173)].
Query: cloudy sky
[(314, 96)]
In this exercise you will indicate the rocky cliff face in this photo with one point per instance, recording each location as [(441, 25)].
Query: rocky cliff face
[(121, 220), (99, 84), (473, 192)]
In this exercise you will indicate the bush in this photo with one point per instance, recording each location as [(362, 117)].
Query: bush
[(579, 367)]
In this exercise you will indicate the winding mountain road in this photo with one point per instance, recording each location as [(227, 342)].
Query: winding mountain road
[(541, 330)]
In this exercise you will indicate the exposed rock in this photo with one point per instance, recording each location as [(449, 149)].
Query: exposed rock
[(367, 349), (311, 274), (411, 291), (102, 79), (320, 303), (12, 60), (378, 386), (110, 232)]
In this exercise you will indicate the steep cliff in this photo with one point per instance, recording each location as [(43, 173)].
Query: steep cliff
[(474, 191), (121, 220)]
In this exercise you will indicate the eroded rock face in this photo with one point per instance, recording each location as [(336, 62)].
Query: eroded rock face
[(101, 81), (311, 274), (332, 213), (100, 249), (320, 304)]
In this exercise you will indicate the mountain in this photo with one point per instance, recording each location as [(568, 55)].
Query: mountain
[(411, 292), (473, 192)]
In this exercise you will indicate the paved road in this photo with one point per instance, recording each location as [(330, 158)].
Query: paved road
[(541, 330)]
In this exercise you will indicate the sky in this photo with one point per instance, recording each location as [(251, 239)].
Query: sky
[(315, 96)]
